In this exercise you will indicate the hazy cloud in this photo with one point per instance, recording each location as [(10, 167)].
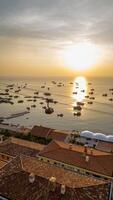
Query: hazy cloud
[(57, 19)]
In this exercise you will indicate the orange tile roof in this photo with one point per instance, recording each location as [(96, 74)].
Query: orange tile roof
[(58, 135), (25, 143), (80, 149), (2, 163), (99, 162), (41, 131), (14, 182), (105, 146), (15, 146), (70, 179)]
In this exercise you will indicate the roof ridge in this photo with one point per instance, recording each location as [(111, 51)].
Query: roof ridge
[(54, 141), (48, 133)]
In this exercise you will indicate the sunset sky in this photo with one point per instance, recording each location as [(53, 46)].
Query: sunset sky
[(56, 37)]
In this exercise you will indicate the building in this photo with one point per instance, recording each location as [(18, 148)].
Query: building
[(14, 146), (48, 133), (26, 178), (14, 129), (79, 158), (105, 146)]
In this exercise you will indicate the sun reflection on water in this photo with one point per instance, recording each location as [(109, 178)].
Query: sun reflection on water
[(79, 89)]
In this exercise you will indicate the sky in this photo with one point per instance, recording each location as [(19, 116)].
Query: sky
[(36, 35)]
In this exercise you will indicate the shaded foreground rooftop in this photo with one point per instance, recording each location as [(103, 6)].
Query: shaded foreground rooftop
[(15, 183), (96, 161)]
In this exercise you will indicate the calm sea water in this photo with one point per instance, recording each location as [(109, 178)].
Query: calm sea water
[(97, 117)]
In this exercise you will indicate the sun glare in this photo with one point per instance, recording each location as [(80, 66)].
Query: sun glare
[(79, 89), (81, 56)]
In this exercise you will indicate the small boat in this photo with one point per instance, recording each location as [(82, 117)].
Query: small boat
[(27, 97), (74, 92), (92, 89), (36, 93), (82, 90), (105, 95), (47, 94), (92, 98), (55, 102), (90, 102), (10, 85), (110, 99), (49, 110), (60, 115), (7, 90), (35, 97), (80, 103), (53, 82), (28, 108), (20, 101), (87, 96), (41, 103), (16, 91), (16, 96), (77, 108), (91, 93), (44, 107), (33, 106), (77, 114), (29, 100)]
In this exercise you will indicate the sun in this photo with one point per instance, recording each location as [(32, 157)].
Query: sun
[(81, 56)]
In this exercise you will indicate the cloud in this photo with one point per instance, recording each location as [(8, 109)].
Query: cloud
[(57, 20)]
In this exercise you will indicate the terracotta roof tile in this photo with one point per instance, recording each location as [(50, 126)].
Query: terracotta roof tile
[(2, 163), (75, 156), (15, 185), (70, 179), (15, 147), (25, 143), (41, 131), (105, 146)]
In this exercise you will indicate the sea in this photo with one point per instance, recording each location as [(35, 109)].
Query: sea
[(66, 92)]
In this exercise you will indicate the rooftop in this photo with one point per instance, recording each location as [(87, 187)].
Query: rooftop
[(105, 146), (70, 179), (80, 149), (41, 131), (75, 155), (4, 159), (15, 184), (25, 143), (15, 146), (2, 163)]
